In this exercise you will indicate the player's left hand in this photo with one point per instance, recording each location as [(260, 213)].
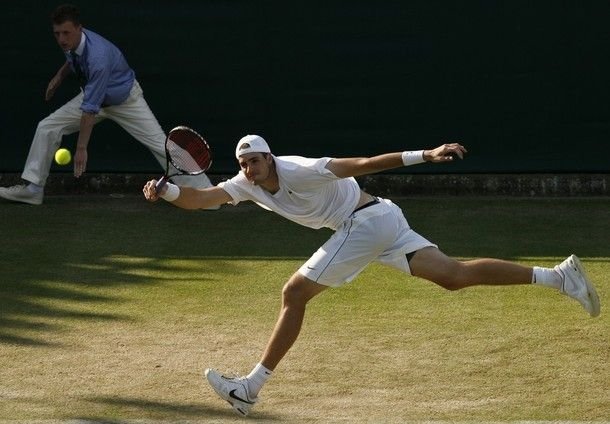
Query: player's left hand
[(445, 153)]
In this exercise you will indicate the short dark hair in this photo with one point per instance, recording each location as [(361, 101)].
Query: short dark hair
[(65, 13)]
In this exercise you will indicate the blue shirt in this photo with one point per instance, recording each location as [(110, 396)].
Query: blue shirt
[(109, 77)]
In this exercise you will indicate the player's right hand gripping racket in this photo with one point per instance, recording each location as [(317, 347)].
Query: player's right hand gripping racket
[(187, 151)]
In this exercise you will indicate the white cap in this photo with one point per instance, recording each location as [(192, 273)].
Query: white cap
[(251, 144)]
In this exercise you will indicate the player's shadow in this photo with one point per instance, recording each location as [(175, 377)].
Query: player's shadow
[(168, 411)]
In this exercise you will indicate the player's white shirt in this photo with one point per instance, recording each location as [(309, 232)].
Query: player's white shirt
[(309, 193)]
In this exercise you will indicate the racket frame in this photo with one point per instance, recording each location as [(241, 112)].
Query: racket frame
[(168, 158)]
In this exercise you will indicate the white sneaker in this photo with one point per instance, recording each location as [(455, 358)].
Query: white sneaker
[(20, 193), (232, 389), (576, 284)]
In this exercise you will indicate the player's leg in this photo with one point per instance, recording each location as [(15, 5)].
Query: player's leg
[(433, 265), (569, 277), (414, 254), (135, 116), (242, 392), (296, 293), (340, 259), (348, 251)]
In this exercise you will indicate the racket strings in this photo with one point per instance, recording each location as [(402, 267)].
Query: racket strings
[(188, 155)]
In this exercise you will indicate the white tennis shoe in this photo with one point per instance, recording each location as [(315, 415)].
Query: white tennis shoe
[(576, 284), (21, 193), (232, 389)]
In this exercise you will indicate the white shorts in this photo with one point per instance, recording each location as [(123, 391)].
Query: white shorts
[(376, 233)]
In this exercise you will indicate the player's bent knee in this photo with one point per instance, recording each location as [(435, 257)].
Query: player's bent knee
[(299, 290), (292, 295)]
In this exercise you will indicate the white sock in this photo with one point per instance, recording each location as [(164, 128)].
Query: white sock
[(257, 377), (35, 188), (546, 277)]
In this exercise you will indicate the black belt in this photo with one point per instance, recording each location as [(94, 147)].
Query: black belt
[(366, 205)]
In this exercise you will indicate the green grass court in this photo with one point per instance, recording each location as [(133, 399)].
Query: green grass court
[(111, 307)]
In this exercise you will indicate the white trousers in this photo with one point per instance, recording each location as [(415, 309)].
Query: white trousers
[(378, 233), (133, 115)]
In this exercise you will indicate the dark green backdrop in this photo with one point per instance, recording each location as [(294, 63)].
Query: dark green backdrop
[(523, 84)]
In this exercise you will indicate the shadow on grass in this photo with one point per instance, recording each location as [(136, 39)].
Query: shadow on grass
[(58, 260), (62, 261), (168, 411)]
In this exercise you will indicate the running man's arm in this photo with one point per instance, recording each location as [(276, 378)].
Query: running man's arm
[(57, 80), (87, 121), (353, 167)]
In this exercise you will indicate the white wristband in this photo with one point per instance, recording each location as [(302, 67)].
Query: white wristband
[(412, 157), (172, 192)]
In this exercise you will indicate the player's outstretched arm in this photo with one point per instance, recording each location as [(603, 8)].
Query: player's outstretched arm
[(353, 167), (187, 197)]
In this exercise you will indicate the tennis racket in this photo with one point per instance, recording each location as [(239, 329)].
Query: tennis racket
[(187, 151)]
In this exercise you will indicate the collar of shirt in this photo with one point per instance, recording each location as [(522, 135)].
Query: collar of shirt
[(81, 46)]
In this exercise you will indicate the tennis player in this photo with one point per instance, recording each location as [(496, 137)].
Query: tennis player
[(109, 90), (322, 192)]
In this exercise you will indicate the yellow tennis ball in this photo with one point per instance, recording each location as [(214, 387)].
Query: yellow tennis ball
[(63, 156)]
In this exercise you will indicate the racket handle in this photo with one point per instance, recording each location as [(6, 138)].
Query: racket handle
[(160, 184)]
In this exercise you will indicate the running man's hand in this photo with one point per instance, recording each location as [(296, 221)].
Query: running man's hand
[(51, 88), (80, 162), (445, 153)]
